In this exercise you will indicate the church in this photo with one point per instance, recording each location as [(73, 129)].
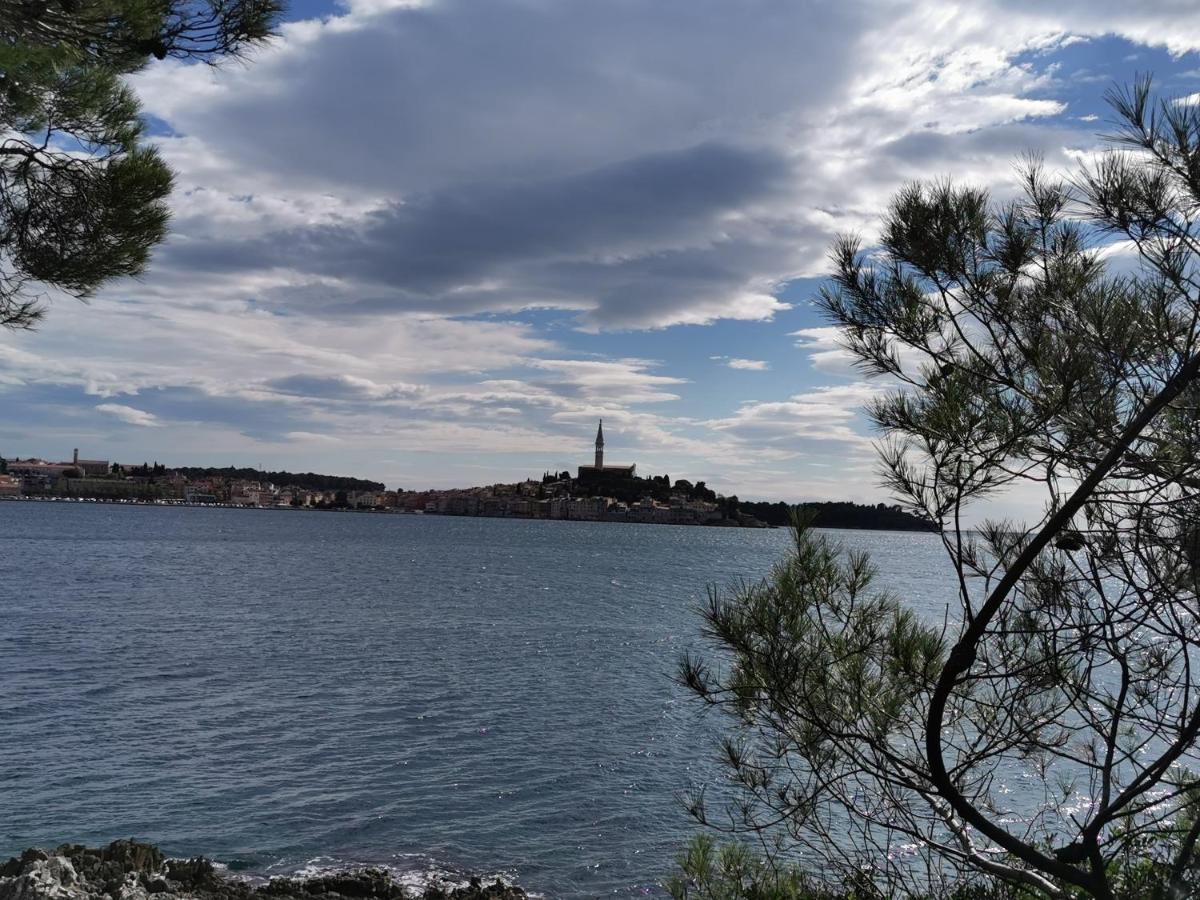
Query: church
[(600, 470)]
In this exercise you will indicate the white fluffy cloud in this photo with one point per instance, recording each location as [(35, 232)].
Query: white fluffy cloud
[(821, 416), (824, 349), (746, 365), (129, 415)]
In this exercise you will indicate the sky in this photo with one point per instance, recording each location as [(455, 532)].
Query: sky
[(431, 243)]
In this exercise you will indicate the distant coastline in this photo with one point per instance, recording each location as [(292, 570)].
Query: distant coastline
[(882, 524), (598, 493)]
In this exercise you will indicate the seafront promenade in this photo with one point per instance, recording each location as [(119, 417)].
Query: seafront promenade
[(586, 510)]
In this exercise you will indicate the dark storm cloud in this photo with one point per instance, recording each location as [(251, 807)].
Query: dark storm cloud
[(423, 97), (505, 144), (597, 239), (641, 162)]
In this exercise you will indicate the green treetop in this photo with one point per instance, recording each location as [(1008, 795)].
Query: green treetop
[(82, 199)]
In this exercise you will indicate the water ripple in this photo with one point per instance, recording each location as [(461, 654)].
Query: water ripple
[(451, 694)]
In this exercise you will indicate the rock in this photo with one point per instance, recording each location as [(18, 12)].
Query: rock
[(51, 878), (131, 889), (475, 890), (60, 869), (112, 864), (129, 870), (15, 866), (192, 874), (132, 856), (365, 883), (157, 885)]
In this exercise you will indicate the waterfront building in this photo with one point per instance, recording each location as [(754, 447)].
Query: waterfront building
[(113, 488), (587, 509), (649, 510), (95, 467), (38, 476), (362, 499)]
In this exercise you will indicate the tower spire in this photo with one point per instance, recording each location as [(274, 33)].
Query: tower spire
[(600, 445)]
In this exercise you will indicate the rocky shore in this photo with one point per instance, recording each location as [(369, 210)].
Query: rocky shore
[(128, 870)]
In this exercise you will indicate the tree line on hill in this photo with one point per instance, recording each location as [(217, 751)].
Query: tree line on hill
[(309, 481), (841, 514), (837, 514), (630, 490)]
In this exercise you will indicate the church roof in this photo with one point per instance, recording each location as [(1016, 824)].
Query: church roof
[(629, 469), (600, 434)]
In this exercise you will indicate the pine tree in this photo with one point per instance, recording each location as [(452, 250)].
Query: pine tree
[(82, 197), (1071, 664)]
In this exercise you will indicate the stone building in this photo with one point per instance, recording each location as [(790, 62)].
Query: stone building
[(600, 471)]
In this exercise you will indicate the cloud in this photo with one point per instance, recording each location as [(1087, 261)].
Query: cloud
[(341, 387), (627, 381), (805, 421), (458, 92), (600, 241), (450, 266), (640, 165), (823, 345), (234, 348), (308, 437), (129, 415), (753, 365)]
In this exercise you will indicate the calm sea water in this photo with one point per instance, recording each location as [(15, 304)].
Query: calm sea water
[(279, 690)]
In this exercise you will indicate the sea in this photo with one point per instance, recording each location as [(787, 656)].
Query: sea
[(289, 691)]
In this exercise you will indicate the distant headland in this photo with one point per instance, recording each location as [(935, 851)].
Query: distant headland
[(597, 493)]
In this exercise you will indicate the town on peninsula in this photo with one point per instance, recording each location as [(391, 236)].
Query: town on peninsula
[(598, 493)]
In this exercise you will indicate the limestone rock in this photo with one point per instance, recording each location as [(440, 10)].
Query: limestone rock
[(129, 870), (51, 878)]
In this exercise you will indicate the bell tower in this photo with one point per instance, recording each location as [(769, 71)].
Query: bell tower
[(600, 445)]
